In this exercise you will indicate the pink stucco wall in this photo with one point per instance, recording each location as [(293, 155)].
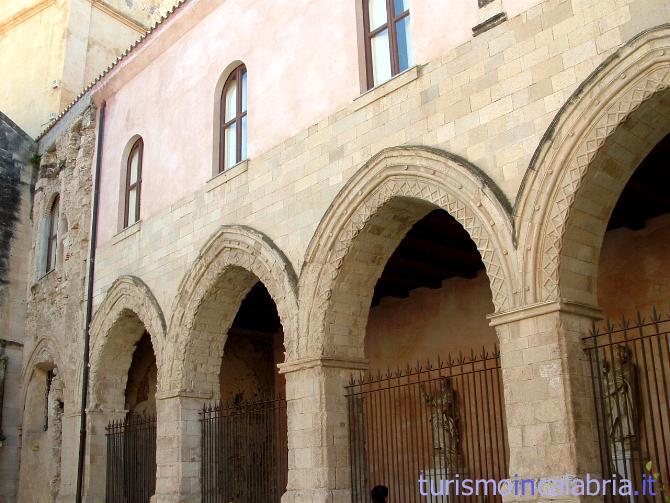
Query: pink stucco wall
[(302, 59)]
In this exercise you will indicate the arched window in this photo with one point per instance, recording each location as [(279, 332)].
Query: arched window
[(233, 139), (52, 238), (388, 45), (133, 184)]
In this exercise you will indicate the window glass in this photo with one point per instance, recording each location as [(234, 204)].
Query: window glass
[(53, 235), (134, 165), (54, 217), (400, 6), (244, 92), (377, 12), (233, 146), (381, 57), (404, 44), (132, 206), (230, 147), (230, 105)]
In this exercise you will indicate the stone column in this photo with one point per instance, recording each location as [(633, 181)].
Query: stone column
[(95, 466), (548, 393), (178, 449), (69, 453), (318, 435)]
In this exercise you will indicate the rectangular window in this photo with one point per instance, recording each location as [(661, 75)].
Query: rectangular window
[(388, 45)]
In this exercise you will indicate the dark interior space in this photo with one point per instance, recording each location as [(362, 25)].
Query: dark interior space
[(436, 248), (646, 194)]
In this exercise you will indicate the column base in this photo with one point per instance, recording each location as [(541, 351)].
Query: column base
[(317, 496)]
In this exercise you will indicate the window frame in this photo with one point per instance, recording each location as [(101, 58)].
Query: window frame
[(368, 35), (138, 145), (52, 236), (236, 75)]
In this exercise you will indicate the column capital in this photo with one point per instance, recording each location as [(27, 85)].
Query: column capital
[(543, 308), (183, 393), (324, 362)]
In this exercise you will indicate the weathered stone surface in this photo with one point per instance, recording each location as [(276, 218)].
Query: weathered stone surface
[(16, 150), (55, 312)]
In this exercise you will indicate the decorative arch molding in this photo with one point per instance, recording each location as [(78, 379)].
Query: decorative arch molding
[(232, 247), (429, 175), (128, 295), (627, 79)]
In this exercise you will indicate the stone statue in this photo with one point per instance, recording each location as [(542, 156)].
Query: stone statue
[(3, 372), (620, 383), (620, 379), (444, 422)]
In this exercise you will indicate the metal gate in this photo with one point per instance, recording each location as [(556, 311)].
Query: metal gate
[(244, 452), (131, 460), (630, 369), (427, 422)]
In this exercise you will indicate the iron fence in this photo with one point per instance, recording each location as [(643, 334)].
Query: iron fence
[(433, 422), (131, 460), (630, 369), (244, 451)]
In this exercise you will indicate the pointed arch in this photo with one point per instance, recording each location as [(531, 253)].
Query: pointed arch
[(46, 356), (229, 264), (129, 308), (549, 228), (434, 179)]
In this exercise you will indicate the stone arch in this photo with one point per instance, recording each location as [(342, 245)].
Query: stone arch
[(43, 405), (43, 356), (430, 178), (569, 190), (229, 264), (49, 200), (129, 308)]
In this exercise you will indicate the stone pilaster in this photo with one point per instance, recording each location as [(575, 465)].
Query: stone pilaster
[(178, 446), (69, 453), (548, 394), (318, 440), (96, 452)]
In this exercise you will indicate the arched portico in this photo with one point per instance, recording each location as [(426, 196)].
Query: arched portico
[(359, 232), (582, 164), (589, 152), (429, 178), (230, 263), (128, 311)]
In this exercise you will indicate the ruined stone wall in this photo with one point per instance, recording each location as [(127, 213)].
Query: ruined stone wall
[(56, 307), (16, 149)]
